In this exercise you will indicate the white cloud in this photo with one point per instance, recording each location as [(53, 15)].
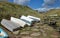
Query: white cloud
[(47, 3), (57, 7), (22, 2), (46, 9), (42, 9)]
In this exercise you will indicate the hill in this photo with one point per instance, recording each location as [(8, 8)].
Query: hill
[(9, 9), (37, 31)]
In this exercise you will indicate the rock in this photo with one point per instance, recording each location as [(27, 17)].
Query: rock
[(46, 28), (35, 34), (35, 30), (12, 36), (16, 32), (44, 34), (26, 37), (18, 36), (25, 33), (42, 30), (36, 26)]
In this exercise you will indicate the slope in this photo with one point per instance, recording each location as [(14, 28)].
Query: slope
[(9, 9), (37, 31)]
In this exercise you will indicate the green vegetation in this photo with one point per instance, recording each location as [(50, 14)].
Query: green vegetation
[(8, 9)]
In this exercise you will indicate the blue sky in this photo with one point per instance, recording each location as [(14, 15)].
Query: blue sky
[(10, 0), (34, 4)]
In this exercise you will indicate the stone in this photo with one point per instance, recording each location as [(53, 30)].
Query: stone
[(16, 32), (18, 36), (26, 37), (36, 26), (36, 30), (35, 34), (42, 30), (44, 34), (25, 33)]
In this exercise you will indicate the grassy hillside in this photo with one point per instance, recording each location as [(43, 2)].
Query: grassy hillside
[(53, 11), (9, 9), (38, 30)]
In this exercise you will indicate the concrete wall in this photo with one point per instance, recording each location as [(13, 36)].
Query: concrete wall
[(27, 20), (11, 26), (34, 18), (18, 21)]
